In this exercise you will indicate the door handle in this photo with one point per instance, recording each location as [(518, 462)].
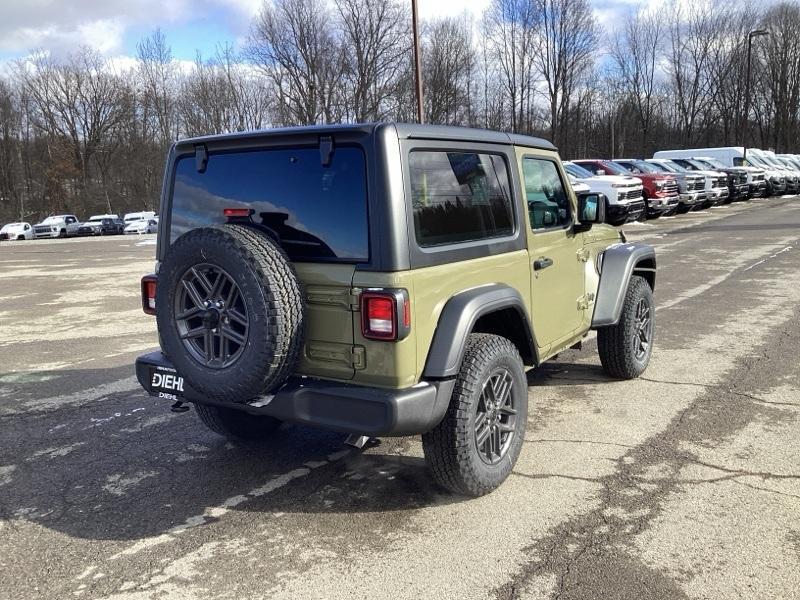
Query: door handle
[(542, 263)]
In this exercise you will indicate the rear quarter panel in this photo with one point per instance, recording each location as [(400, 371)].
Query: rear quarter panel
[(401, 364)]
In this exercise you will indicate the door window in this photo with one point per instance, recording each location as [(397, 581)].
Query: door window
[(548, 202), (459, 197)]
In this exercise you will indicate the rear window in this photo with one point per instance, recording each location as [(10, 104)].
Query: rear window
[(319, 213), (459, 197)]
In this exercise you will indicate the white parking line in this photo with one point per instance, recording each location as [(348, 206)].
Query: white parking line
[(771, 256), (221, 509)]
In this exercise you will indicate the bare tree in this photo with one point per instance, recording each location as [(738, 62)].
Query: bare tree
[(781, 64), (509, 30), (292, 42), (448, 59), (158, 76), (567, 39), (690, 39), (77, 103), (635, 49), (376, 35)]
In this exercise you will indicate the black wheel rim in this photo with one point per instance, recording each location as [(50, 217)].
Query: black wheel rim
[(642, 329), (211, 316), (495, 421)]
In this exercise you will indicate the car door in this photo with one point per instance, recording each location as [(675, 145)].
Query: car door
[(555, 250)]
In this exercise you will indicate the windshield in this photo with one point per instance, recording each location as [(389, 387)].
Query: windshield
[(686, 164), (317, 212), (756, 160), (51, 220), (770, 161), (698, 164), (713, 162), (616, 169), (643, 166), (95, 219), (792, 161), (577, 171), (661, 168), (673, 166)]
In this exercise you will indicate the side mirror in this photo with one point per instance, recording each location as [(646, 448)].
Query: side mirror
[(591, 210), (599, 172)]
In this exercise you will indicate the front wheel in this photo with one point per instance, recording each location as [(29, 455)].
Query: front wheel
[(474, 448), (236, 424), (625, 348)]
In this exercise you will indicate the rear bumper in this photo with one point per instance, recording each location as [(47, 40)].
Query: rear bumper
[(331, 405)]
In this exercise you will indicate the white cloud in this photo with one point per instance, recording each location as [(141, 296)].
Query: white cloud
[(104, 34), (62, 25), (431, 9), (246, 8)]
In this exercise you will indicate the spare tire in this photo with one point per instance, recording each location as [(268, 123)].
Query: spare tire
[(230, 312)]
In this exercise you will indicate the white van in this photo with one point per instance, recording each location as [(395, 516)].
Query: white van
[(139, 216)]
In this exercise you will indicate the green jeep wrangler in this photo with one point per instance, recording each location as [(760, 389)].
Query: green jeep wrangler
[(384, 280)]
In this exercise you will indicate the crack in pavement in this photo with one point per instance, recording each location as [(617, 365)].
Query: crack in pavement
[(591, 555)]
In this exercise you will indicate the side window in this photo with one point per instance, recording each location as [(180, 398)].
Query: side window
[(459, 197), (548, 202), (27, 227)]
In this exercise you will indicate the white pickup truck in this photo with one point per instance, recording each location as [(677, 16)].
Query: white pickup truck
[(57, 226), (625, 199)]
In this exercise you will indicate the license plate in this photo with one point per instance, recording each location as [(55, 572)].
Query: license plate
[(165, 383)]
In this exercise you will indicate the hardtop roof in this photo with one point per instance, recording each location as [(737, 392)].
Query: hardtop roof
[(404, 131)]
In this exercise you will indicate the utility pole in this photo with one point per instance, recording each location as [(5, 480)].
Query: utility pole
[(750, 36), (417, 62)]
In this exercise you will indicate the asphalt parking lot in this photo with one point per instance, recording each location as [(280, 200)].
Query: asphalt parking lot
[(682, 484)]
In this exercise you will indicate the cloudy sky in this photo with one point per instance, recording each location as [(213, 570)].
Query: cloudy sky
[(115, 26)]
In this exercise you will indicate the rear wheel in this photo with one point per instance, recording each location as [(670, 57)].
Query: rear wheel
[(474, 448), (236, 424)]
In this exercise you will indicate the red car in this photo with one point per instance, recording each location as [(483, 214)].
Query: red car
[(660, 190)]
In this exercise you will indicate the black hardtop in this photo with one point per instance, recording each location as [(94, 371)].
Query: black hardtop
[(311, 133)]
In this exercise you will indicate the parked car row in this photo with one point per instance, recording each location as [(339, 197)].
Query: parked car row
[(61, 226), (677, 181)]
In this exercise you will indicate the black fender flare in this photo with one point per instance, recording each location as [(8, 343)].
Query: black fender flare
[(619, 263), (458, 319)]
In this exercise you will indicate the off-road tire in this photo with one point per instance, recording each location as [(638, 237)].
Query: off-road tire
[(615, 344), (450, 448), (236, 424), (273, 298)]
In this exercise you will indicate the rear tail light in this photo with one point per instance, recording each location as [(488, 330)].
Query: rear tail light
[(149, 294), (385, 315)]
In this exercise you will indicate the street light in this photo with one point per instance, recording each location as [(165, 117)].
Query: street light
[(417, 69), (750, 36)]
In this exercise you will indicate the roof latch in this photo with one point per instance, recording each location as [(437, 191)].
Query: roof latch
[(326, 150), (200, 158)]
